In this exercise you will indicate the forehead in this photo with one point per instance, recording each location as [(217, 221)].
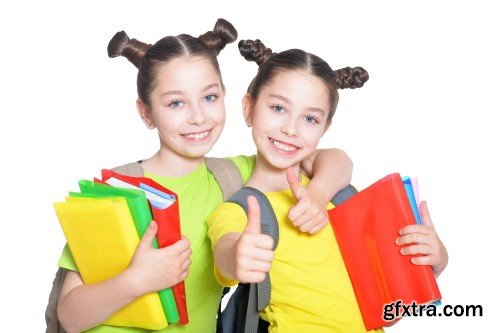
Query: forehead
[(186, 73), (299, 86)]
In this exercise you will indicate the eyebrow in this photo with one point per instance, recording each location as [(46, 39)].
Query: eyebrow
[(286, 100), (180, 92), (210, 86), (283, 98)]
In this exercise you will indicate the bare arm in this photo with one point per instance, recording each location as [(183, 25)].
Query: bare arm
[(225, 255), (330, 171), (83, 306)]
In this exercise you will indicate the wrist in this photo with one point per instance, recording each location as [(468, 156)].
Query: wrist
[(225, 255), (129, 280), (320, 190)]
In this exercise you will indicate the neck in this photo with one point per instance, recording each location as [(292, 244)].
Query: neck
[(167, 163), (268, 178)]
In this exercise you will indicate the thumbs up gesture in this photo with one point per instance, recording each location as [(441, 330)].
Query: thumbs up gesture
[(422, 241), (254, 250), (309, 214)]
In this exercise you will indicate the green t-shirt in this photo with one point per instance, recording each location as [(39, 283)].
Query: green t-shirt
[(198, 195)]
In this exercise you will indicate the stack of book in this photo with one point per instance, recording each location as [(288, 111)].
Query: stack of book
[(103, 224), (366, 227)]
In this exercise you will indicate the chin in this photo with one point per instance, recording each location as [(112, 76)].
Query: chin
[(195, 153), (282, 164)]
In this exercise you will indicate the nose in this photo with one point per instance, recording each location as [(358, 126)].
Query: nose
[(289, 127), (197, 115)]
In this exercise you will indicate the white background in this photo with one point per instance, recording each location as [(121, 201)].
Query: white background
[(428, 110)]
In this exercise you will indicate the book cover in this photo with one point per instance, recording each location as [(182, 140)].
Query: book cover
[(366, 227), (102, 239)]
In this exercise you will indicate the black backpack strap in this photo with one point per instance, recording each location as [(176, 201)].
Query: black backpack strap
[(219, 328), (343, 195), (259, 294)]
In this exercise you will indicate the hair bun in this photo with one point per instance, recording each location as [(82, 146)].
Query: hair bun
[(132, 49), (351, 77), (222, 34), (254, 50)]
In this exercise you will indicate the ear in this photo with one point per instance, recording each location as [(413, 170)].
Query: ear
[(248, 106), (144, 113)]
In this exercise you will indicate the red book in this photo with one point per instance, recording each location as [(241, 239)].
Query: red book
[(169, 229), (366, 227)]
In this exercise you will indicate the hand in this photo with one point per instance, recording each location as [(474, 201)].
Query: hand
[(424, 242), (309, 214), (254, 250), (156, 269)]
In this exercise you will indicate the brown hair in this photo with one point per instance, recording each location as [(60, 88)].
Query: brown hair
[(147, 58), (270, 64)]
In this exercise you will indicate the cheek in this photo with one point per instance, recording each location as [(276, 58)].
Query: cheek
[(218, 114), (171, 122), (312, 137), (263, 123), (261, 127)]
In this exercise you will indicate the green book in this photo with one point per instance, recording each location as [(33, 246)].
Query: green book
[(141, 214)]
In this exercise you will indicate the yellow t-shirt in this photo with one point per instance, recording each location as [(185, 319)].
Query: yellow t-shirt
[(198, 195), (310, 287)]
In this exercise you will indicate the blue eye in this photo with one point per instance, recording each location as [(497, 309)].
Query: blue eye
[(278, 108), (176, 104), (311, 119), (210, 98)]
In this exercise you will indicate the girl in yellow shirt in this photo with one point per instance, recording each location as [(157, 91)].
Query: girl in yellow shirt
[(289, 105)]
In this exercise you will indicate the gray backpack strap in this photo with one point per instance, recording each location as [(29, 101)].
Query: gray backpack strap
[(133, 169), (343, 195), (53, 325), (226, 174), (259, 293)]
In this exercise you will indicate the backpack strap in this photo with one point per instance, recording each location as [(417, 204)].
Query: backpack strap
[(249, 299), (226, 174), (343, 195), (259, 294), (133, 169), (51, 320)]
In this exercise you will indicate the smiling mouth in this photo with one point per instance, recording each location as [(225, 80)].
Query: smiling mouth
[(200, 136), (283, 147)]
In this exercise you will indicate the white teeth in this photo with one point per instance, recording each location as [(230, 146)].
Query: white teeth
[(197, 136), (283, 146)]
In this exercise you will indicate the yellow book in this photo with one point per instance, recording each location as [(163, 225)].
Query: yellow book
[(102, 238)]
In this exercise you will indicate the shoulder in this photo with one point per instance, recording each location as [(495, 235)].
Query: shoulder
[(130, 169), (245, 164), (228, 210)]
